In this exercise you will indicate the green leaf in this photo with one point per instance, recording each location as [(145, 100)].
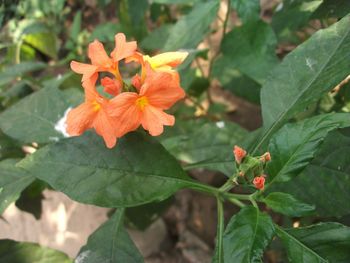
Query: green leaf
[(247, 235), (35, 118), (157, 38), (332, 8), (190, 29), (10, 73), (110, 243), (286, 204), (295, 145), (45, 42), (327, 177), (102, 32), (205, 144), (247, 10), (137, 171), (25, 252), (251, 49), (305, 74), (13, 180), (324, 242)]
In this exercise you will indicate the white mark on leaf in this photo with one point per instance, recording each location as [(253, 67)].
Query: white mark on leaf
[(61, 125), (220, 124), (311, 63), (82, 256)]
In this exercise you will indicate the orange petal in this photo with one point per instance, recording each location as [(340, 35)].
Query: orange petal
[(153, 120), (98, 55), (87, 70), (124, 108), (80, 119), (162, 89), (105, 127), (111, 86), (136, 82), (122, 48)]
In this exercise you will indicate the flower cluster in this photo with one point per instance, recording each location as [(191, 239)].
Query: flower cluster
[(251, 168), (128, 105)]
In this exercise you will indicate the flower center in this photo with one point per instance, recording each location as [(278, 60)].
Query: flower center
[(142, 102), (96, 106)]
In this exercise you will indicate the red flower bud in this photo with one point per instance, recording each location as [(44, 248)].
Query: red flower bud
[(241, 173), (266, 157), (239, 154), (259, 182)]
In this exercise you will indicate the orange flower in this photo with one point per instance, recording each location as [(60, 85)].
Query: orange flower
[(92, 114), (239, 154), (100, 61), (259, 182), (159, 92)]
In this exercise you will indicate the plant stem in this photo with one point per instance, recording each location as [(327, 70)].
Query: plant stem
[(220, 231)]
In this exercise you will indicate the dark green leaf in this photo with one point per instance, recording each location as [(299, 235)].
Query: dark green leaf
[(251, 49), (286, 204), (247, 235), (157, 38), (36, 118), (190, 29), (305, 74), (247, 10), (326, 178), (332, 8), (110, 243), (295, 145), (205, 144), (25, 252), (102, 32), (137, 171), (324, 242), (14, 71), (13, 181)]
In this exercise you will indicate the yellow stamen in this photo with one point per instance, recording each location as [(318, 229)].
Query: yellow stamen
[(96, 106), (142, 102)]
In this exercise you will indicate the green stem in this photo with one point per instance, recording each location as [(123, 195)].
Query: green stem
[(220, 231), (18, 52)]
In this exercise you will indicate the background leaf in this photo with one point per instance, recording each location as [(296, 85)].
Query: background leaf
[(18, 70), (309, 71), (13, 181), (247, 235), (247, 10), (190, 29), (137, 171), (24, 252), (110, 243), (324, 242)]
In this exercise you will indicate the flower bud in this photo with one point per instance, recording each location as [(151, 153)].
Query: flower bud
[(239, 154), (266, 157), (241, 173), (259, 182)]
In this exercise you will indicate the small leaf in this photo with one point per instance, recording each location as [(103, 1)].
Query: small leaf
[(247, 10), (308, 72), (45, 42), (295, 145), (13, 180), (110, 243), (25, 252), (247, 235), (286, 204), (324, 242), (35, 118), (137, 171), (190, 29)]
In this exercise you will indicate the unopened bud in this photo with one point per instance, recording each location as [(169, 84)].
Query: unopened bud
[(259, 182), (241, 173), (239, 154), (266, 157)]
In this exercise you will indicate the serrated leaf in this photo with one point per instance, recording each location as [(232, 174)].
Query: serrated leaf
[(247, 10), (13, 180), (327, 177), (286, 204), (251, 49), (190, 29), (110, 243), (205, 144), (35, 118), (324, 242), (137, 171), (25, 252), (247, 235), (309, 71), (295, 145)]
